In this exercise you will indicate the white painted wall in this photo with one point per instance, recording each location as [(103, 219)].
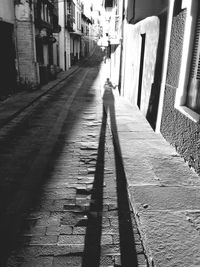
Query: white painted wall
[(45, 53), (55, 49), (7, 10), (68, 49), (61, 22), (131, 63)]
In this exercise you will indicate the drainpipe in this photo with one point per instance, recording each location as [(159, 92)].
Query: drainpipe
[(165, 59)]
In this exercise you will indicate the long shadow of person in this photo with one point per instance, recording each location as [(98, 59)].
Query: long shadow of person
[(127, 243), (92, 250)]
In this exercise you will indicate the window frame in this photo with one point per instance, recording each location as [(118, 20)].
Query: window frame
[(185, 70)]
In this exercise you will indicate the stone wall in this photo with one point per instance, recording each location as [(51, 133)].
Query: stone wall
[(25, 41)]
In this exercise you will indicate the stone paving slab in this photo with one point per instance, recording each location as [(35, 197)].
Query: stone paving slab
[(165, 197), (164, 191), (171, 238)]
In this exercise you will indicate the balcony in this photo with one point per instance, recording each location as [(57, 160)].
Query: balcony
[(56, 26), (109, 3), (46, 15), (69, 21)]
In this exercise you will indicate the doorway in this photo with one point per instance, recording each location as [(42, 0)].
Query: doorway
[(143, 39), (7, 60)]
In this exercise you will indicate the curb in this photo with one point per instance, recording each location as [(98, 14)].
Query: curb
[(11, 102), (15, 102)]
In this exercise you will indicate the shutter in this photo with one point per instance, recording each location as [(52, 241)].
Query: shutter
[(193, 97), (37, 11)]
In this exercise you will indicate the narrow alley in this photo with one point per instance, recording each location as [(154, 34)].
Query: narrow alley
[(85, 181), (100, 133), (64, 201)]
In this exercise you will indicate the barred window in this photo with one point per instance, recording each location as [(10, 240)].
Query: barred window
[(193, 93)]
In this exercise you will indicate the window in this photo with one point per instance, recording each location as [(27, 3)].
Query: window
[(73, 11), (42, 11), (187, 99), (68, 8), (45, 13), (193, 92)]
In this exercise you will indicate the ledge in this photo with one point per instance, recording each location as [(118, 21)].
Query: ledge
[(188, 113)]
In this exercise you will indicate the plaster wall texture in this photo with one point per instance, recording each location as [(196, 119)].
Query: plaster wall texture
[(76, 47), (67, 35), (177, 129), (45, 53), (7, 11), (22, 11), (61, 16), (55, 56), (26, 53), (130, 64), (149, 26), (115, 64)]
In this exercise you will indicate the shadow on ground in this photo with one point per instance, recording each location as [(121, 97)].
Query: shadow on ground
[(20, 191), (92, 251)]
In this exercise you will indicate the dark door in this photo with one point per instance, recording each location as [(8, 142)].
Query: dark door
[(143, 36), (7, 60)]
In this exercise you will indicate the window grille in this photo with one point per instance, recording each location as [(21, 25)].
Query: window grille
[(193, 96)]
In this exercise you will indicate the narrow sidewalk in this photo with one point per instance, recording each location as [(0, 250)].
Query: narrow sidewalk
[(18, 102), (164, 192)]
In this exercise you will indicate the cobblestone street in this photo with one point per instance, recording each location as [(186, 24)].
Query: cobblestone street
[(65, 197), (99, 133)]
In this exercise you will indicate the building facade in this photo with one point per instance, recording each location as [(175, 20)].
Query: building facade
[(35, 21), (113, 35), (179, 103), (93, 12), (78, 35), (159, 70), (143, 56), (40, 38), (46, 42), (75, 32), (85, 30), (70, 36)]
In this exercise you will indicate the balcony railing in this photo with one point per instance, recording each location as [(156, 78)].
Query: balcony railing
[(47, 20), (69, 21)]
